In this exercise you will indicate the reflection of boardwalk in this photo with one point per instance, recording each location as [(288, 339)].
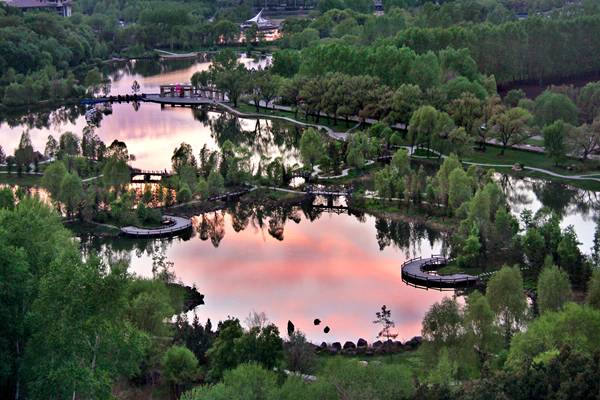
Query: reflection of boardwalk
[(416, 271), (178, 225)]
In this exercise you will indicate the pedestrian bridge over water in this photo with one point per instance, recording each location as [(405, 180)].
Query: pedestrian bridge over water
[(417, 272)]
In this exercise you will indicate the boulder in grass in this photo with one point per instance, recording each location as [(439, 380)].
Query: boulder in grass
[(377, 343), (323, 345), (336, 345), (361, 343), (349, 345), (413, 343)]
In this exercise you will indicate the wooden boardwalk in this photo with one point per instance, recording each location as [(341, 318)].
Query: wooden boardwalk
[(177, 226), (416, 271), (315, 191), (155, 98)]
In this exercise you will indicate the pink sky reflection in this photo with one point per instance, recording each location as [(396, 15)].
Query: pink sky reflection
[(331, 269)]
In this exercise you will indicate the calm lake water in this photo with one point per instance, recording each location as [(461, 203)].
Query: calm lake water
[(292, 266), (338, 268)]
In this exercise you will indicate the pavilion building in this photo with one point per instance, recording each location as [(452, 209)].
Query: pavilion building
[(267, 28)]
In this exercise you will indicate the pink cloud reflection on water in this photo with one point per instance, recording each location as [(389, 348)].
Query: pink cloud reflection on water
[(331, 269)]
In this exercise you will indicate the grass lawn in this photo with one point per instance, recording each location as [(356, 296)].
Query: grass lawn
[(453, 268), (340, 126), (529, 159), (411, 360), (23, 180)]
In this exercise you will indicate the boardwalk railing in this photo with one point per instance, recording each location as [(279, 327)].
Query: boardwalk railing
[(415, 271), (329, 193), (178, 225)]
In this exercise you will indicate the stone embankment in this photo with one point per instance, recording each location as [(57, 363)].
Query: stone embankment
[(362, 347)]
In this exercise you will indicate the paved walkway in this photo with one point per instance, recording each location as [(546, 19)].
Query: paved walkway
[(330, 132), (589, 177), (180, 225), (93, 178), (343, 136), (416, 271)]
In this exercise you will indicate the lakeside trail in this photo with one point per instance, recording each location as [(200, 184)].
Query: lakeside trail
[(595, 177)]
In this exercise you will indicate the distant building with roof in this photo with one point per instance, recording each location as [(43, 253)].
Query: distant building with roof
[(267, 28), (61, 7), (378, 7)]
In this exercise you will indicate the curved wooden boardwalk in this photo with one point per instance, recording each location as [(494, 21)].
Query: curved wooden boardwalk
[(180, 225), (416, 271)]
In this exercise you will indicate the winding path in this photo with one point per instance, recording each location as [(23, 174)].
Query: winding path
[(343, 136), (416, 271)]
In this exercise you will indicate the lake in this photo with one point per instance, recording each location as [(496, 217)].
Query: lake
[(339, 268)]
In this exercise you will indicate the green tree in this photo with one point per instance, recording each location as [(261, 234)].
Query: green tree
[(24, 153), (550, 107), (554, 141), (81, 352), (69, 145), (401, 162), (115, 172), (92, 80), (311, 147), (183, 156), (553, 289), (506, 298), (53, 177), (7, 199), (184, 194), (179, 368), (360, 148), (443, 177), (471, 249), (424, 125), (388, 183), (480, 331), (71, 192), (262, 345), (215, 183), (245, 382), (222, 355), (459, 188), (233, 81), (510, 127), (593, 290), (576, 326), (300, 354), (570, 257), (442, 327)]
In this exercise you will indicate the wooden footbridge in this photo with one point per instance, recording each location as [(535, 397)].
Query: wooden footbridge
[(326, 192), (417, 270), (329, 193), (301, 173), (147, 176), (174, 95)]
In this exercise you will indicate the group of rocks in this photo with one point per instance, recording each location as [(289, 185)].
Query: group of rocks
[(361, 347)]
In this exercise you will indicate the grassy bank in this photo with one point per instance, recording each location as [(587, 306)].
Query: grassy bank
[(340, 126), (23, 180)]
